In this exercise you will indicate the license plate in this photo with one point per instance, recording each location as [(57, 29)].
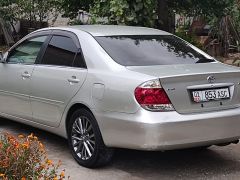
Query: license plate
[(210, 94)]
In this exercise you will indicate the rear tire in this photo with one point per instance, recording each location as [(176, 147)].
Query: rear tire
[(85, 140)]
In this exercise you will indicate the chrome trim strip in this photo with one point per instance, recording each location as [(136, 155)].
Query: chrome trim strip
[(14, 94), (17, 119), (205, 86), (58, 66), (50, 101)]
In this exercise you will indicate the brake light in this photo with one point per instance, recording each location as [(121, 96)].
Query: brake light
[(151, 96)]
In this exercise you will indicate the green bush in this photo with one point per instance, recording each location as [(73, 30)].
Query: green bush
[(189, 38)]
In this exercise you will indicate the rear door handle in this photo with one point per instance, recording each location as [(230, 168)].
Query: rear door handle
[(26, 75), (73, 79)]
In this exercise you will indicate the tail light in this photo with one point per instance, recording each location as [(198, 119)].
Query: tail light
[(151, 96)]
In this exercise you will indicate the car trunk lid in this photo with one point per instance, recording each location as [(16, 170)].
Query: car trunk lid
[(181, 81)]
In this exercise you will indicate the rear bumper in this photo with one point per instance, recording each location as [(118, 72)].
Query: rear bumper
[(168, 130)]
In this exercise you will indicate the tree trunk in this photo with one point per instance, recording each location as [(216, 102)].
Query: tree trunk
[(165, 19)]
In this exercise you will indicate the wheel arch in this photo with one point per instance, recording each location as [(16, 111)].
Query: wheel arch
[(72, 109)]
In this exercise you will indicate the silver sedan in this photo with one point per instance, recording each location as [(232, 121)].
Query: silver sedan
[(106, 87)]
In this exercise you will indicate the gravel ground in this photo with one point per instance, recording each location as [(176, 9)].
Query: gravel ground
[(214, 163)]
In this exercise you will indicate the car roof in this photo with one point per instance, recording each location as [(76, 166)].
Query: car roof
[(114, 30)]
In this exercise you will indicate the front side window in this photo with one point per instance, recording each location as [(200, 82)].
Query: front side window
[(149, 50), (62, 51), (26, 52)]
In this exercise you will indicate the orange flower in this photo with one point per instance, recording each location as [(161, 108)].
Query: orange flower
[(41, 147), (30, 147), (15, 144), (35, 138), (21, 136), (26, 145), (31, 136), (10, 138), (62, 174), (59, 163), (49, 162)]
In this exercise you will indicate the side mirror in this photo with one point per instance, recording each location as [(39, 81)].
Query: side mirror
[(2, 57)]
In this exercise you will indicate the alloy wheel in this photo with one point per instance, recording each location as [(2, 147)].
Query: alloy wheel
[(83, 138)]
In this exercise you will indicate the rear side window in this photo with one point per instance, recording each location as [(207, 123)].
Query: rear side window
[(148, 50), (62, 51)]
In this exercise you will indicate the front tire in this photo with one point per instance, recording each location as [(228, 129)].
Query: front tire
[(85, 140)]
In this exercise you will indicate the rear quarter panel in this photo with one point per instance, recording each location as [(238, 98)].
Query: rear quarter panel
[(116, 82), (116, 88)]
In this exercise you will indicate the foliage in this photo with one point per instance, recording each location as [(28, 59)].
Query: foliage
[(70, 8), (38, 10), (235, 14), (211, 10), (75, 22), (128, 12), (8, 10), (137, 12), (146, 12), (191, 38), (206, 8), (25, 158)]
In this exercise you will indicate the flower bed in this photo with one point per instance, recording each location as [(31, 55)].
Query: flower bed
[(23, 158)]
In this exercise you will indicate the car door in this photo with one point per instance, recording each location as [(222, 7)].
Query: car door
[(15, 77), (57, 78)]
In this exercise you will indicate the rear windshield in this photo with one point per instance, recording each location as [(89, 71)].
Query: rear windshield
[(148, 50)]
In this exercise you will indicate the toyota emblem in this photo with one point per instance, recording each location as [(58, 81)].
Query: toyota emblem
[(211, 79)]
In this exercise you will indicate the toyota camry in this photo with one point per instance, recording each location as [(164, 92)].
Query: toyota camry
[(104, 87)]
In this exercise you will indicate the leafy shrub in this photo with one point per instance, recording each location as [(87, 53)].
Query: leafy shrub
[(189, 38), (75, 22), (23, 158)]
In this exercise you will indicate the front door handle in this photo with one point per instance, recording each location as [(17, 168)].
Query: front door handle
[(73, 79), (26, 75)]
